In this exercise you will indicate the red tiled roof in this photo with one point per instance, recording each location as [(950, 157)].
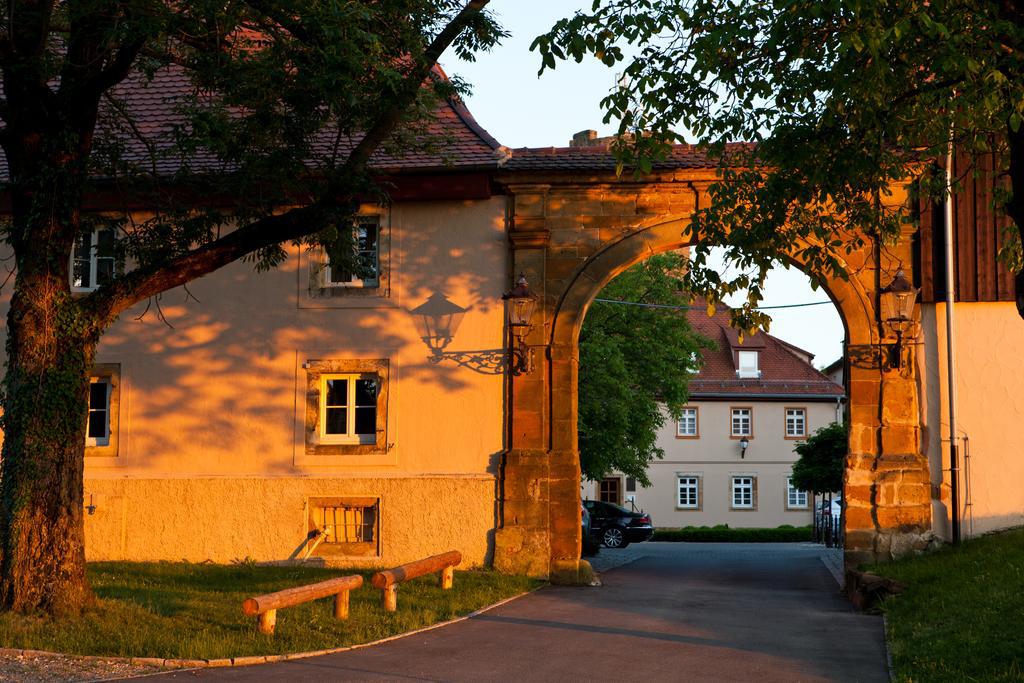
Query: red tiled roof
[(783, 373), (599, 158), (152, 107)]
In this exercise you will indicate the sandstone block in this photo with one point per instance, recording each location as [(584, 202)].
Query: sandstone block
[(859, 518), (904, 517), (900, 439)]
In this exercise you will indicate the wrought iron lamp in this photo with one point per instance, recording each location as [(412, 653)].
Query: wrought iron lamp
[(744, 443), (896, 310), (520, 303)]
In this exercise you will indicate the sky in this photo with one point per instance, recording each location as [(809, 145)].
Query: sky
[(521, 109)]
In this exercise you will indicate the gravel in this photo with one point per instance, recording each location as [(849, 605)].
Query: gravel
[(44, 668)]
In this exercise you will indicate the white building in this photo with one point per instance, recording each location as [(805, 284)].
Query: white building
[(729, 458)]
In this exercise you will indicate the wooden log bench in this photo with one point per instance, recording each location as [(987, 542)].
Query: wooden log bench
[(265, 607), (387, 581)]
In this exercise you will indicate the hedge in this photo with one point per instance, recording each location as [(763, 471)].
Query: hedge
[(723, 534)]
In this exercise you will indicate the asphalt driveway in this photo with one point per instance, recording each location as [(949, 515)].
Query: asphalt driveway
[(678, 611)]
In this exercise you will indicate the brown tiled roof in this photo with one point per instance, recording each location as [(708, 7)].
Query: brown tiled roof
[(783, 373), (152, 108), (599, 158)]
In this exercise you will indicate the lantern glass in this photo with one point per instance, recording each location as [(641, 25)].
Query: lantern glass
[(520, 310), (896, 302), (905, 305), (888, 305)]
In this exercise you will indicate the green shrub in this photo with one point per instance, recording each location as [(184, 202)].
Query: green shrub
[(723, 534)]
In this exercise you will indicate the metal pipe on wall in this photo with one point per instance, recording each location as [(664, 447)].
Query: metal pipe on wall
[(951, 349)]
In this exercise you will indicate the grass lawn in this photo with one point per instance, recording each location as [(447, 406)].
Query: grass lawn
[(960, 617), (194, 611), (723, 534)]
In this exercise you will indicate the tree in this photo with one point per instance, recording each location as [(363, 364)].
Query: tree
[(634, 363), (822, 460), (279, 106), (840, 99)]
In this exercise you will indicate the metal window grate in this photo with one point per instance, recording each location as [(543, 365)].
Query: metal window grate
[(347, 524)]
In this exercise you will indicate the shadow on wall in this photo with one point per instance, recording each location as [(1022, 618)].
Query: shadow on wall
[(213, 390)]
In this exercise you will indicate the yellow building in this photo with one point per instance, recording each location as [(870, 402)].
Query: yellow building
[(236, 418)]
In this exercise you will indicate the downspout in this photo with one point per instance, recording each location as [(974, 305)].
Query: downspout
[(954, 468)]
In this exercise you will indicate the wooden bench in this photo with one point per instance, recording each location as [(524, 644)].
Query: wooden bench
[(387, 581), (265, 607)]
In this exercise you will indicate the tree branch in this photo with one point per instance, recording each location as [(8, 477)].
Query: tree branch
[(116, 71), (387, 123), (109, 301)]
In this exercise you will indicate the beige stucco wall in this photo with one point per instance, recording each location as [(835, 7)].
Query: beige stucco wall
[(990, 411), (211, 461), (265, 518), (715, 458)]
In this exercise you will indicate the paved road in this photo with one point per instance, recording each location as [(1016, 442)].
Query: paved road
[(693, 612)]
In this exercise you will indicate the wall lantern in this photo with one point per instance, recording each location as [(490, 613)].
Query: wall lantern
[(436, 321), (896, 310), (520, 303), (744, 443)]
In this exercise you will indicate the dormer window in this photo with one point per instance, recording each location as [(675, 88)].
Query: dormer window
[(746, 365)]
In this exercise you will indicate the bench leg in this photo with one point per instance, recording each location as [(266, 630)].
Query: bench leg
[(389, 598), (341, 605), (447, 577), (267, 620)]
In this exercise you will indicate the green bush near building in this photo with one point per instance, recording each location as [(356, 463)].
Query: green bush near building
[(960, 615), (723, 534)]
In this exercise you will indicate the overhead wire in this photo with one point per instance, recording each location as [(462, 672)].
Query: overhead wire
[(687, 308)]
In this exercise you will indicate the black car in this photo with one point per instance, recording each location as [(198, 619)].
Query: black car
[(617, 527), (591, 546)]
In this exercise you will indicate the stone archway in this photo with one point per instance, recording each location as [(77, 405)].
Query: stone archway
[(572, 235)]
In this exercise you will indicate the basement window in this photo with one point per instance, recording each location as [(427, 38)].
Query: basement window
[(349, 526)]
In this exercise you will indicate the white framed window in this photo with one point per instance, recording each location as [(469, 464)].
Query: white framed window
[(92, 261), (796, 423), (687, 427), (795, 498), (742, 422), (746, 365), (348, 408), (743, 492), (97, 432), (367, 237), (688, 492)]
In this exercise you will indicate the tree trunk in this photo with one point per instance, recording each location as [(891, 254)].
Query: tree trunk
[(50, 355)]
